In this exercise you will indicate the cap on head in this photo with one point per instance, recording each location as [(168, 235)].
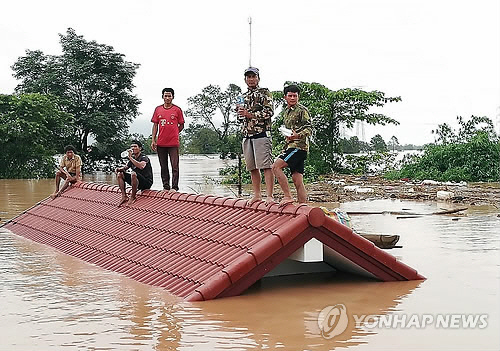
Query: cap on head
[(253, 70), (137, 142)]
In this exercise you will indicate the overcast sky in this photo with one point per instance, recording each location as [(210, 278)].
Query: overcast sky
[(441, 57)]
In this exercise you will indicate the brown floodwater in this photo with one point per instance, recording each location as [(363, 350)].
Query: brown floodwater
[(51, 301)]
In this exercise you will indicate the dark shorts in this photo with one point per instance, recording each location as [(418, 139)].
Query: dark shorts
[(294, 158), (143, 182)]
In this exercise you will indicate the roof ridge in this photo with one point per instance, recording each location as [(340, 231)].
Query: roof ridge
[(257, 206)]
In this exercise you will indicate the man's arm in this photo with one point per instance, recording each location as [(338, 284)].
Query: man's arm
[(78, 169), (153, 136), (78, 175), (138, 164), (261, 111), (304, 130), (121, 169), (181, 127)]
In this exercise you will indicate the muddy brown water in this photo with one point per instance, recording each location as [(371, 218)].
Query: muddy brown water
[(51, 301)]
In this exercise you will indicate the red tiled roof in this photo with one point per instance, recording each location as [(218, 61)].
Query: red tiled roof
[(198, 247)]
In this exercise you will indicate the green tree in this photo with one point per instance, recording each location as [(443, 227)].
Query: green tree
[(212, 101), (394, 143), (328, 109), (32, 130), (378, 144), (93, 83), (470, 154), (201, 140), (351, 145), (466, 130)]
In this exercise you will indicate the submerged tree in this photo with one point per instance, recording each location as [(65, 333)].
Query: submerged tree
[(91, 80)]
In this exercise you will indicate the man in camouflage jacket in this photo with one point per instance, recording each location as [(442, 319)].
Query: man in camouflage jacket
[(296, 118), (255, 116)]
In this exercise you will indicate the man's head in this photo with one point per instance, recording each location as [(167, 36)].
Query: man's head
[(69, 150), (252, 77), (168, 95), (291, 93), (136, 146)]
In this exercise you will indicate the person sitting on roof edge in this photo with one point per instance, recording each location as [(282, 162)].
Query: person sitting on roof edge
[(141, 176), (70, 169)]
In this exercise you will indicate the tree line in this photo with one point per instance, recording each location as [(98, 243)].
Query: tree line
[(84, 97), (83, 94)]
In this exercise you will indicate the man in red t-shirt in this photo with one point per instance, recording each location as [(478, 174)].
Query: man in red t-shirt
[(168, 122)]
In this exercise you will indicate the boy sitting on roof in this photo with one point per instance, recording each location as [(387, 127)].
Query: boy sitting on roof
[(70, 169), (141, 176)]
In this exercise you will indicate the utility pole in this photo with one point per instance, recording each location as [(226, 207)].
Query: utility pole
[(250, 43), (249, 65)]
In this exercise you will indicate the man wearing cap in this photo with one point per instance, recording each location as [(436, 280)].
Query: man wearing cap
[(255, 115), (141, 176)]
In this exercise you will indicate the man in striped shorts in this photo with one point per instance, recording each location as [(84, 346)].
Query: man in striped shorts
[(296, 118)]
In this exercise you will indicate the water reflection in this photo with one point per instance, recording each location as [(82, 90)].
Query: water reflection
[(283, 312)]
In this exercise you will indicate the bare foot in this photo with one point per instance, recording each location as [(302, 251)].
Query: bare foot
[(253, 200), (285, 202), (123, 200), (54, 195), (270, 201), (172, 191), (131, 201)]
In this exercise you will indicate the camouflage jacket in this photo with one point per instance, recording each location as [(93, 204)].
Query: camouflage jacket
[(298, 119), (259, 103)]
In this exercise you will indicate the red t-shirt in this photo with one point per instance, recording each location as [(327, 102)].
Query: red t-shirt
[(168, 120)]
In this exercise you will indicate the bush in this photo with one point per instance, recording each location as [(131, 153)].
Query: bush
[(478, 159)]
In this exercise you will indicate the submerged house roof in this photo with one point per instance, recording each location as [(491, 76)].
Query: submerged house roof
[(197, 247)]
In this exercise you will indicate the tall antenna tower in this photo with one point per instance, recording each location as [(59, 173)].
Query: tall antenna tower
[(250, 43)]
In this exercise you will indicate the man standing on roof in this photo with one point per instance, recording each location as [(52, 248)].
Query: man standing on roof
[(168, 122), (255, 115), (70, 169), (141, 176), (296, 118)]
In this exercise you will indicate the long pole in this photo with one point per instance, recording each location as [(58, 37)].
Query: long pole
[(250, 45)]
